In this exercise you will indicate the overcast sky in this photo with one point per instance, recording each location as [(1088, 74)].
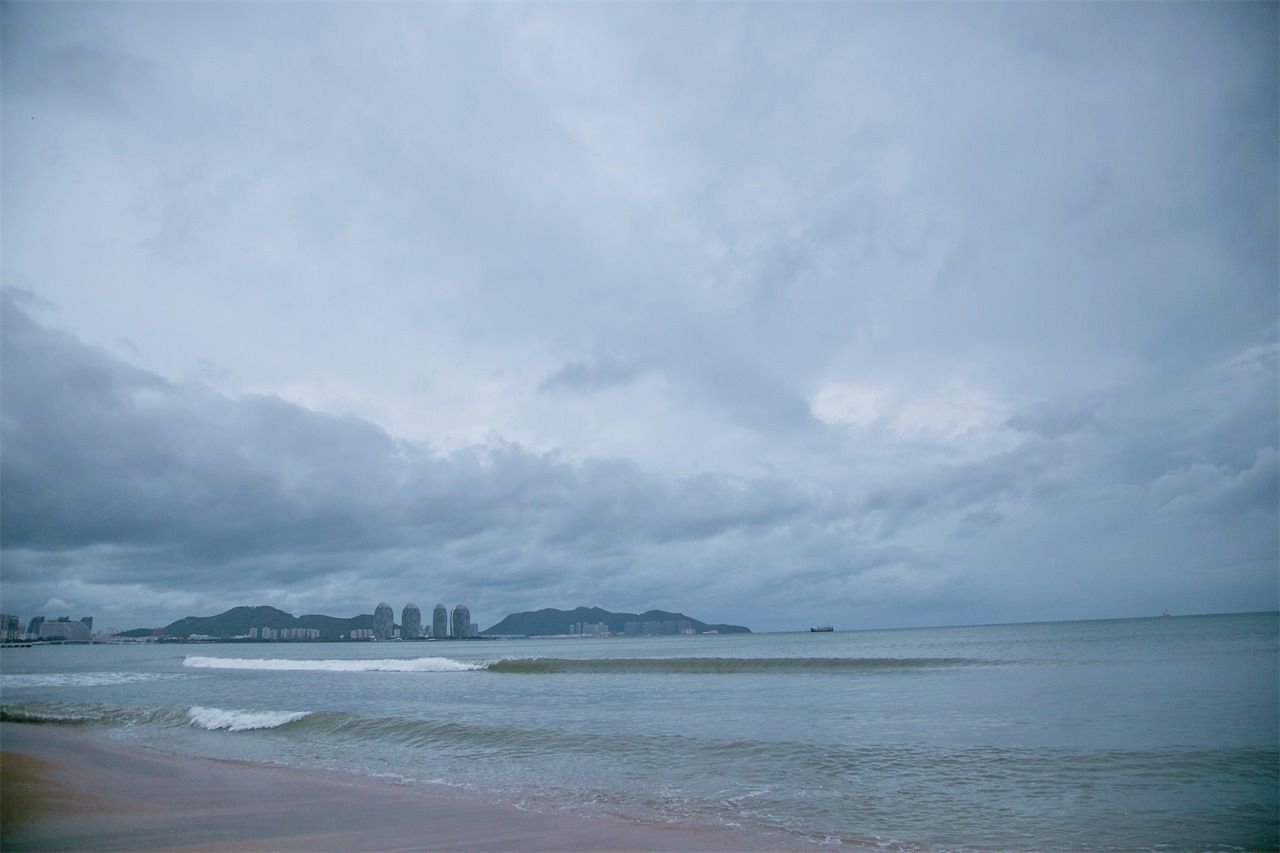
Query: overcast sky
[(777, 314)]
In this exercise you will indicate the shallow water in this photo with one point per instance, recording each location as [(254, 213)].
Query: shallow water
[(1115, 734)]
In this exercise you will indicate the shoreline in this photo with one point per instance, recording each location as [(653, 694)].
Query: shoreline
[(63, 788)]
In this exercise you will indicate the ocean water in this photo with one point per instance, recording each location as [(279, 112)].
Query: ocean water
[(1117, 734)]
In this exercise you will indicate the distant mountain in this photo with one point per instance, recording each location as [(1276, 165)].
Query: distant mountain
[(549, 621), (238, 620)]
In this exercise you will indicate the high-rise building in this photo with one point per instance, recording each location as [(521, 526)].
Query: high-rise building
[(384, 621), (87, 621), (461, 620), (10, 627), (411, 621), (65, 629), (440, 622), (33, 627)]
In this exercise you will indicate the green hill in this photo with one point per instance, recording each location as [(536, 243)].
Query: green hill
[(549, 621), (237, 621)]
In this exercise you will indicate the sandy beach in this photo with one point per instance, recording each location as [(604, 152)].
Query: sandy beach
[(64, 789)]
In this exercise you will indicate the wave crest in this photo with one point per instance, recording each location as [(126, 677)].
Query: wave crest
[(235, 720), (291, 665)]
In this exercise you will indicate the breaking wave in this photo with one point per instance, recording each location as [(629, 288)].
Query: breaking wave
[(234, 720), (289, 665), (197, 716), (704, 666), (548, 666)]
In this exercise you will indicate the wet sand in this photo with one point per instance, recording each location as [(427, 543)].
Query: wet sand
[(64, 789)]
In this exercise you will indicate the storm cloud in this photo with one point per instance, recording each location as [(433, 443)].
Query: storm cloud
[(859, 314)]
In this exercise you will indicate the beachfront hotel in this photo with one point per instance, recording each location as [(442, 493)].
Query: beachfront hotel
[(461, 621), (66, 630), (444, 625), (411, 622), (384, 621)]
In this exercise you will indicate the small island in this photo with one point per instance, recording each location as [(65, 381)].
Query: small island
[(593, 621)]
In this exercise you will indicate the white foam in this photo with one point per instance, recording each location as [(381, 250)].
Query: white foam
[(234, 720), (13, 681), (288, 665)]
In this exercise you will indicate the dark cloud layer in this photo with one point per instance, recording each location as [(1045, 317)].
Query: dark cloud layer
[(116, 480), (587, 377)]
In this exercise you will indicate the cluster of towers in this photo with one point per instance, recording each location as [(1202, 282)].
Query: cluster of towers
[(40, 628), (411, 627)]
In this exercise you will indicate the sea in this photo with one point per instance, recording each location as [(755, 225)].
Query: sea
[(1123, 734)]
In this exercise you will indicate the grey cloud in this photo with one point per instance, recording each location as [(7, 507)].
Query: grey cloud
[(588, 377), (1054, 421), (983, 516), (972, 490), (1203, 488), (114, 477), (59, 55)]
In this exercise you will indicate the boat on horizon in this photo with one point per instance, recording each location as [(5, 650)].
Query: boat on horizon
[(821, 629)]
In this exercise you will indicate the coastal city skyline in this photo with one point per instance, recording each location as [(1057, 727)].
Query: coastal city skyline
[(264, 623), (445, 625)]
